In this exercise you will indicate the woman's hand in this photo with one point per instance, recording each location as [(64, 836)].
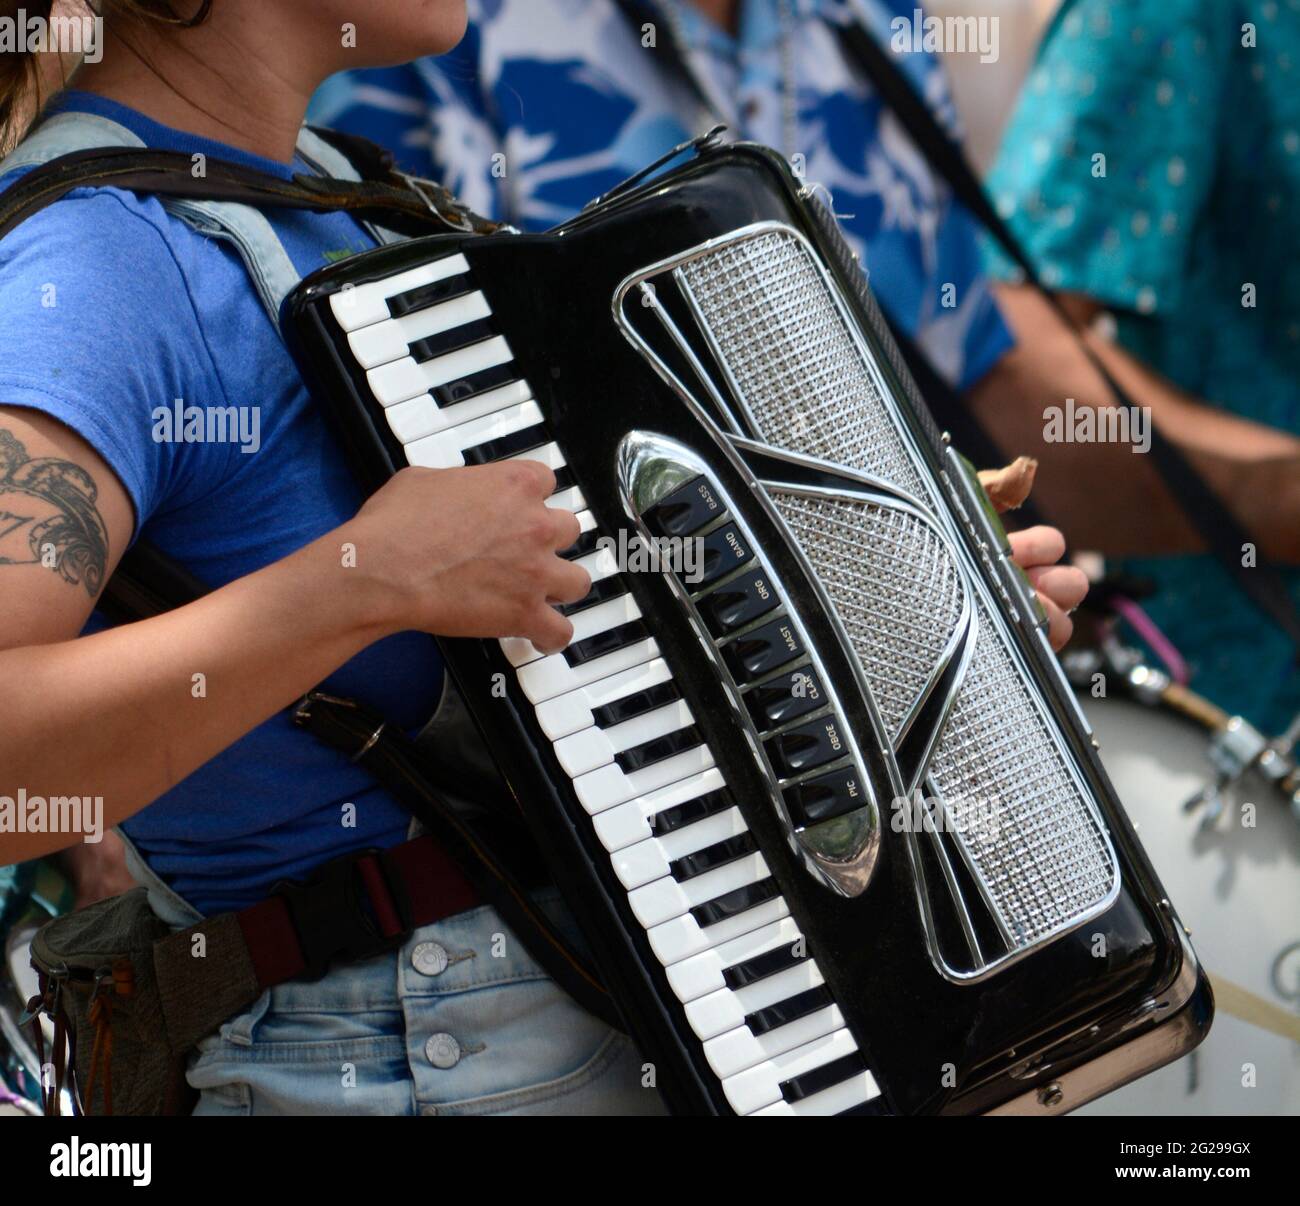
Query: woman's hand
[(1060, 587), (471, 553), (1037, 550)]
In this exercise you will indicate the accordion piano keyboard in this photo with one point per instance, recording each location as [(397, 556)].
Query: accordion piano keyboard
[(693, 876)]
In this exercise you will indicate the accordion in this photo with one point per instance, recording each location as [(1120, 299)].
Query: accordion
[(808, 774)]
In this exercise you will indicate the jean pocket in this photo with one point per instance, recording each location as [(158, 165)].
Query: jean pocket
[(610, 1083), (512, 1047)]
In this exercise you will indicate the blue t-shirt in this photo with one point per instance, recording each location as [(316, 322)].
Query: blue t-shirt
[(111, 309)]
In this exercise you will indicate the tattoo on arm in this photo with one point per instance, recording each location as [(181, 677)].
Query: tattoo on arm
[(48, 516)]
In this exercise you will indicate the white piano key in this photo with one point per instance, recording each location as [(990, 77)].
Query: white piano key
[(680, 937), (550, 676), (381, 342), (759, 1086), (357, 306), (419, 417), (610, 785), (666, 898), (630, 823), (741, 1048), (856, 1091), (702, 973), (725, 1009), (548, 454), (405, 378), (445, 449), (648, 860), (588, 623), (570, 498), (569, 713), (585, 751)]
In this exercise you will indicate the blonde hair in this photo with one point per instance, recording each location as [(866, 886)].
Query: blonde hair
[(21, 84)]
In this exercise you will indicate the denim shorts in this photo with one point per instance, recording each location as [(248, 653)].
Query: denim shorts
[(459, 1020)]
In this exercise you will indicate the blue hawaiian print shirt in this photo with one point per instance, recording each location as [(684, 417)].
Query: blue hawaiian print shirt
[(1196, 108), (548, 103)]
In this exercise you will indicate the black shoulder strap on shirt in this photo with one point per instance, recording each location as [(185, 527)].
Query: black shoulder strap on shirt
[(406, 204), (1223, 532)]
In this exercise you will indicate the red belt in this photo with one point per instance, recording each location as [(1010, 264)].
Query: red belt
[(353, 907)]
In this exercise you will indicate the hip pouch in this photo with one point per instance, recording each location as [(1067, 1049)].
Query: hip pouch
[(99, 986)]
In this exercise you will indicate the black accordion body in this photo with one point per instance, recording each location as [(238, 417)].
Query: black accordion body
[(809, 774)]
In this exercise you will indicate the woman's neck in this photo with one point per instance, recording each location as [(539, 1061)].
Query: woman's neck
[(229, 79)]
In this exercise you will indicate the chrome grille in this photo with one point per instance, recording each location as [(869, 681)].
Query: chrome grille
[(894, 585), (1044, 862), (792, 361), (1026, 830), (1045, 859)]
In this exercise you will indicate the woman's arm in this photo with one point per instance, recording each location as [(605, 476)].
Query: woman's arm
[(466, 552), (1106, 496)]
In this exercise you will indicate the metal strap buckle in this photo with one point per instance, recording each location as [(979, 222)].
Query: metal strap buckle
[(431, 193)]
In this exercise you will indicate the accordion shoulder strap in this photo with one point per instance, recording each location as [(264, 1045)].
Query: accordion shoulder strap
[(1223, 533)]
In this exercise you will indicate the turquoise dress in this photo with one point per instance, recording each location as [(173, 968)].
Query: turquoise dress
[(1190, 237)]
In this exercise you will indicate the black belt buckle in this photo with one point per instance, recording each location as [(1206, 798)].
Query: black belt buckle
[(328, 912)]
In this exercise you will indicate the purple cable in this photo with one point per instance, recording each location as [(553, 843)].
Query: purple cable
[(1146, 628)]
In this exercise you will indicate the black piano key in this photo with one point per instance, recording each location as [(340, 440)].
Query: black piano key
[(686, 509), (444, 342), (424, 296), (585, 544), (753, 655), (508, 445), (723, 551), (784, 699), (814, 1081), (739, 975), (825, 797), (650, 752), (731, 904), (790, 1010), (601, 592), (807, 746), (742, 600), (681, 815), (711, 857), (465, 388), (564, 478), (636, 704), (609, 641)]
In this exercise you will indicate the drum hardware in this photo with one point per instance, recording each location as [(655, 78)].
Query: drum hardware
[(1236, 746)]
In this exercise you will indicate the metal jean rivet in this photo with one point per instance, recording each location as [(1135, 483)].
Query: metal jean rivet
[(443, 1050), (1051, 1095), (428, 1111), (430, 958)]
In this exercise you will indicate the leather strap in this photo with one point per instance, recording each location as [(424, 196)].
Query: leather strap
[(395, 762), (403, 203)]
